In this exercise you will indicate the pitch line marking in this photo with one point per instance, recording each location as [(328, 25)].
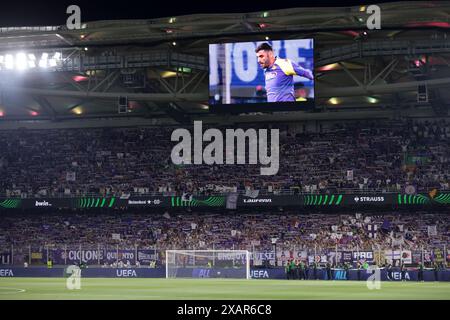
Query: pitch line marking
[(16, 290)]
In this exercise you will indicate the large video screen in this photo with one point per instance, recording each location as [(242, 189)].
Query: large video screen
[(261, 75)]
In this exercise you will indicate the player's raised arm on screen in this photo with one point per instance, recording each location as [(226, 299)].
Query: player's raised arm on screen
[(302, 72)]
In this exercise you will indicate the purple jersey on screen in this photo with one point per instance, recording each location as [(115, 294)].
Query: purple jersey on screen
[(280, 80)]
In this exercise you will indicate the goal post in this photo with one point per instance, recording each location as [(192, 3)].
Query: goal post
[(232, 264)]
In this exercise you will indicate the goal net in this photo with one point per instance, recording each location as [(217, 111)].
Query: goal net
[(232, 264)]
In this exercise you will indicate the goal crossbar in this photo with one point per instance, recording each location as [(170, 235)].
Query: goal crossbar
[(241, 257)]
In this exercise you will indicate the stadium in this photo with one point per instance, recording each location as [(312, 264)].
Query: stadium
[(285, 154)]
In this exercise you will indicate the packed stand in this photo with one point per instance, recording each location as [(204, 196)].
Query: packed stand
[(383, 157), (249, 231)]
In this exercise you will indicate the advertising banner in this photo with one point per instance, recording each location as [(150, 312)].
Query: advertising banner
[(261, 200), (5, 258), (438, 255), (102, 256), (263, 273), (363, 256), (347, 257)]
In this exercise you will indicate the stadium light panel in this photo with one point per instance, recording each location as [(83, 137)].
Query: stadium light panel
[(9, 61), (43, 60), (328, 67), (334, 101), (172, 20), (52, 63), (372, 100), (77, 110), (21, 61), (31, 60), (351, 33), (184, 69), (33, 113), (79, 78), (2, 113), (168, 74), (435, 24)]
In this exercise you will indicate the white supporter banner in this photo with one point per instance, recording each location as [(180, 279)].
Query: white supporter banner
[(349, 175), (116, 236)]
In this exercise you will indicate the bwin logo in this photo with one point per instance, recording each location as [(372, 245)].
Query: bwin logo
[(42, 204)]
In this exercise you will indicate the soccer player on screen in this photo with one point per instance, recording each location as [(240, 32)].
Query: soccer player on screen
[(279, 74)]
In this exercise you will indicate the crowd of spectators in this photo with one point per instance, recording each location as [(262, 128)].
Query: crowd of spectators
[(244, 231), (382, 156)]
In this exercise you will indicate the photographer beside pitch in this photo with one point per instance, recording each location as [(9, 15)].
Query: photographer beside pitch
[(279, 74)]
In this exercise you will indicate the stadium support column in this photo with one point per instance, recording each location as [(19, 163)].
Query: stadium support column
[(79, 252), (422, 255), (65, 254), (253, 251), (29, 255), (357, 250), (315, 252), (98, 254), (135, 254), (445, 256), (401, 255), (335, 257), (274, 246), (12, 254), (233, 256), (117, 255)]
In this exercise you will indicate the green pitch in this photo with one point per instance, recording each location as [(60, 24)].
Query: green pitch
[(185, 289)]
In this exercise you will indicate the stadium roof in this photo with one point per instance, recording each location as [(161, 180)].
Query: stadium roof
[(355, 67)]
